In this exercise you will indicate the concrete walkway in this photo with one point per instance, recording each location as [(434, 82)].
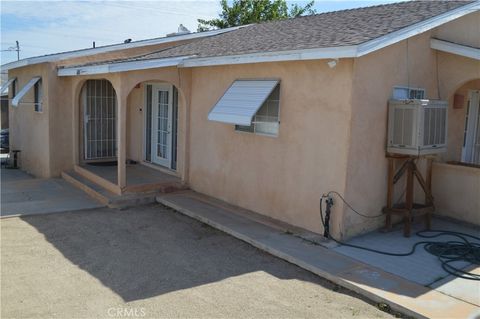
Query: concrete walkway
[(23, 194), (374, 283)]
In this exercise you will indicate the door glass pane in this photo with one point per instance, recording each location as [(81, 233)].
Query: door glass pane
[(162, 120)]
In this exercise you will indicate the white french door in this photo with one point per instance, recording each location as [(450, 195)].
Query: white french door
[(471, 143), (161, 124)]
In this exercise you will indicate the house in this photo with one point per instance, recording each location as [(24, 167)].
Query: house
[(267, 116)]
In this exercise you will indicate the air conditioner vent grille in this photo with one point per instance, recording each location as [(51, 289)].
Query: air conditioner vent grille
[(403, 123), (434, 125), (417, 127)]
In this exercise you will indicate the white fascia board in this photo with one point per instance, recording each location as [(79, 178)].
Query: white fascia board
[(6, 85), (114, 47), (293, 55), (415, 29), (454, 48), (120, 66), (18, 98), (338, 52)]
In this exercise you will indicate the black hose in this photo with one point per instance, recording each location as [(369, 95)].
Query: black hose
[(447, 252)]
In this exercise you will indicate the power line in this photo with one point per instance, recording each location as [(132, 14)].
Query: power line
[(15, 48)]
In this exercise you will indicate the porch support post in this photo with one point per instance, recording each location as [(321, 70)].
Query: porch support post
[(122, 140)]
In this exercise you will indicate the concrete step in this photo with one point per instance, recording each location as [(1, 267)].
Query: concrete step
[(89, 187), (106, 197)]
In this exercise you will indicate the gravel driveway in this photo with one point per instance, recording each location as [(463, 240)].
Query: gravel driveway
[(150, 262)]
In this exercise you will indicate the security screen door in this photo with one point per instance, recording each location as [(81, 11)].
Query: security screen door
[(161, 138), (99, 110)]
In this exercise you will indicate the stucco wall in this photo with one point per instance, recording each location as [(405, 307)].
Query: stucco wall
[(282, 177), (30, 130), (456, 190), (332, 133), (375, 74), (462, 31)]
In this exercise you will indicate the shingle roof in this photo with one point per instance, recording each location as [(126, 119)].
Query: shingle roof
[(332, 29)]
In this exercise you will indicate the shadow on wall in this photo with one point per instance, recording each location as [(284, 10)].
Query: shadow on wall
[(151, 252)]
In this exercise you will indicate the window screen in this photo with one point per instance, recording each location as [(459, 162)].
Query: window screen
[(38, 96), (404, 93), (266, 120)]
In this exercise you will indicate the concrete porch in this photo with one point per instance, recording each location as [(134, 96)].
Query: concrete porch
[(143, 183)]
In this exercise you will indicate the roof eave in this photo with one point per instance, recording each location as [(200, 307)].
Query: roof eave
[(277, 56), (455, 48), (110, 48), (120, 67), (352, 51), (417, 28)]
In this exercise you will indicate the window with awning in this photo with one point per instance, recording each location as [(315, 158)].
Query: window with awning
[(6, 85), (21, 94), (241, 101)]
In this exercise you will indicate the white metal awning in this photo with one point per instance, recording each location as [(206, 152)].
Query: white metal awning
[(16, 100), (6, 85), (241, 101)]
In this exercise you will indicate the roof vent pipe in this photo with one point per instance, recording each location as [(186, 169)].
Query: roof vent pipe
[(181, 30)]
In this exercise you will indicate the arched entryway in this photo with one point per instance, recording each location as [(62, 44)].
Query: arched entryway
[(152, 126), (467, 100), (464, 124), (98, 114)]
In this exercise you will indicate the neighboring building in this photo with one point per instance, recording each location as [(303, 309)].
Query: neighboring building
[(188, 105), (4, 102)]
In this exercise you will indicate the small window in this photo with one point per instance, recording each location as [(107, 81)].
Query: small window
[(404, 93), (266, 120), (38, 96), (14, 88)]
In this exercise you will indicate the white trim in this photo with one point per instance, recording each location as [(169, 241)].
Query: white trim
[(339, 52), (17, 99), (470, 144), (455, 48), (291, 55), (6, 85), (120, 66), (109, 48), (415, 29)]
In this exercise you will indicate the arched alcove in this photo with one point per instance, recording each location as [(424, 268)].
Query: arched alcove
[(97, 121)]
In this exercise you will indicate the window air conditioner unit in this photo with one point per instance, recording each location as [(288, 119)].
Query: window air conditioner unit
[(417, 127)]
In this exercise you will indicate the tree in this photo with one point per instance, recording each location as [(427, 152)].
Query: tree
[(243, 12)]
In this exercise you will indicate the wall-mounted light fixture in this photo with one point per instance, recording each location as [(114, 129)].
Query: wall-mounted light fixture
[(332, 63)]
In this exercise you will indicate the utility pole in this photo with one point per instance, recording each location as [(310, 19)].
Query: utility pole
[(15, 48)]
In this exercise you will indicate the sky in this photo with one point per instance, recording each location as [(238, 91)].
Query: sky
[(44, 27)]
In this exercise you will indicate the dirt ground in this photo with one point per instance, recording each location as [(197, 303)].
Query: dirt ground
[(151, 262)]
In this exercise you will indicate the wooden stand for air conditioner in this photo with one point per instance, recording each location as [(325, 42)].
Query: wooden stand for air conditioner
[(408, 209)]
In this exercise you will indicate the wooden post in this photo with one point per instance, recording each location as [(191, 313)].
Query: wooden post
[(391, 173), (408, 199), (428, 196)]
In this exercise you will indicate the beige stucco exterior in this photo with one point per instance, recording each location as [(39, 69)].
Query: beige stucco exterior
[(332, 136)]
